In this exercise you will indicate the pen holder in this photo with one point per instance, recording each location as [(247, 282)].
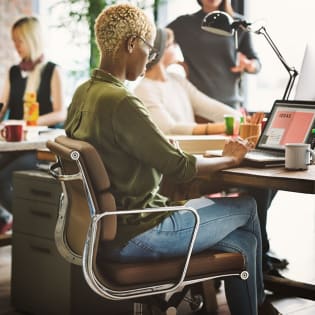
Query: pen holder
[(250, 132)]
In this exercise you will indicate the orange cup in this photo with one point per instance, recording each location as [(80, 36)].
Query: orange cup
[(250, 132)]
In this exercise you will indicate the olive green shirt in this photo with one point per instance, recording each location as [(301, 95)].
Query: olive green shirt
[(134, 151)]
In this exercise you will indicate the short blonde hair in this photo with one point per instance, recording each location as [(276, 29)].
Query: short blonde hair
[(30, 30), (117, 23)]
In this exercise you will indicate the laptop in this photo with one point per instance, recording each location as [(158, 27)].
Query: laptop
[(288, 122)]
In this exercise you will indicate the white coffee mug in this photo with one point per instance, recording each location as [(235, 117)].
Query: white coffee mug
[(298, 156)]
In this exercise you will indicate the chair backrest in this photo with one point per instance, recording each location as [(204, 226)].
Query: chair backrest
[(79, 161)]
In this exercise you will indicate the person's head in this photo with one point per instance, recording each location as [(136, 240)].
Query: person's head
[(27, 38), (165, 46), (212, 5), (124, 33)]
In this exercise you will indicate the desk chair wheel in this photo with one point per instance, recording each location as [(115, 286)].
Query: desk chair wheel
[(195, 302)]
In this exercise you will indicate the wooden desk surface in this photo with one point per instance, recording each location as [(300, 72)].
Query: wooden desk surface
[(277, 177)]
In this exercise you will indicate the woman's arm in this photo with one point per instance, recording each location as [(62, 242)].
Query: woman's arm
[(248, 58), (233, 154), (59, 113), (205, 106)]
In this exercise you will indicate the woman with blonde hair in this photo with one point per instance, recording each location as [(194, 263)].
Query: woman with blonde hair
[(136, 154), (32, 74)]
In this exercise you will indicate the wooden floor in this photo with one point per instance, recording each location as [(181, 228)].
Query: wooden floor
[(291, 229)]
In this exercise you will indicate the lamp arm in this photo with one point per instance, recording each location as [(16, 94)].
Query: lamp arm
[(291, 70), (293, 74)]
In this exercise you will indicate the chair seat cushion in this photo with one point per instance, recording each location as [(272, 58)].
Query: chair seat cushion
[(211, 263)]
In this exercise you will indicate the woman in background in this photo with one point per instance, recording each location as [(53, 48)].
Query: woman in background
[(32, 74), (173, 102)]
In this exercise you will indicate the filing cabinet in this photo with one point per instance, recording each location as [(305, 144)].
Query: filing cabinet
[(42, 281)]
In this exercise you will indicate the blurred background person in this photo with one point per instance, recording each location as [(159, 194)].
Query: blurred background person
[(32, 74), (173, 102), (210, 58)]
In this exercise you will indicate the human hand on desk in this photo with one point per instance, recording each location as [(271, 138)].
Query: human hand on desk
[(236, 149)]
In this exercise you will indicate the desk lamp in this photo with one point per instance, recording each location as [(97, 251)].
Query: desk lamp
[(220, 23)]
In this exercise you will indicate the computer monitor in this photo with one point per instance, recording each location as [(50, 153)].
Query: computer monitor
[(305, 89)]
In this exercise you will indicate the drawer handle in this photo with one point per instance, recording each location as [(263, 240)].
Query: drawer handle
[(41, 192), (40, 213), (41, 249)]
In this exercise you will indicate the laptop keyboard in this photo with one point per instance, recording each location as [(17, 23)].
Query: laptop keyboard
[(261, 153)]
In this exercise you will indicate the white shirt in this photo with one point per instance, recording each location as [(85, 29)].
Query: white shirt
[(173, 104)]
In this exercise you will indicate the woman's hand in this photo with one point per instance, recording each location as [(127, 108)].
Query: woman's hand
[(236, 149), (244, 64)]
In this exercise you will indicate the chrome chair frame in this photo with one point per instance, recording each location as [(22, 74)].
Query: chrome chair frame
[(91, 240)]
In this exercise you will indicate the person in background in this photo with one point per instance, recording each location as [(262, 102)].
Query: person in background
[(32, 74), (106, 114), (173, 102), (210, 60)]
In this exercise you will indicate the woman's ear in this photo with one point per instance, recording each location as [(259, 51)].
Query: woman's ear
[(131, 44)]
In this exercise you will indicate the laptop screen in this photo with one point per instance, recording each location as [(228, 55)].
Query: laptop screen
[(288, 122)]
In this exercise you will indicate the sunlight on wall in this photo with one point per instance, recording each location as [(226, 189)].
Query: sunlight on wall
[(64, 46), (290, 25)]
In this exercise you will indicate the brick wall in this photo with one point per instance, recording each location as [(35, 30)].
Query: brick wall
[(10, 11)]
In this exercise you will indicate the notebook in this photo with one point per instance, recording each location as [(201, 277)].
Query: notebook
[(288, 122)]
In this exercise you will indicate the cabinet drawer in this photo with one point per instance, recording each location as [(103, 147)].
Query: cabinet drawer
[(34, 217), (36, 185), (40, 277)]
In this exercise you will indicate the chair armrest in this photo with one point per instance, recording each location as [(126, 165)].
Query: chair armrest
[(90, 248)]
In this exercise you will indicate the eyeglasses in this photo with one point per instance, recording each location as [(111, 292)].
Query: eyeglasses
[(153, 52)]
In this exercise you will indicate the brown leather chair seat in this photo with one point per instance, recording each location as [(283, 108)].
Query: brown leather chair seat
[(213, 262)]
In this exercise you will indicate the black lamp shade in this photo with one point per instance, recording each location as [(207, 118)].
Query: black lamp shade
[(218, 22)]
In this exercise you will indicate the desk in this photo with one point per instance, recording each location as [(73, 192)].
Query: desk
[(281, 179), (38, 143), (198, 144), (277, 177)]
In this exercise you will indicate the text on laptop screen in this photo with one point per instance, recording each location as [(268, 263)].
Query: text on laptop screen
[(288, 123)]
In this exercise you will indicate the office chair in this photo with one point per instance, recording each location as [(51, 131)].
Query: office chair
[(88, 217)]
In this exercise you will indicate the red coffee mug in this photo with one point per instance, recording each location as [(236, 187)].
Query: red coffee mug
[(12, 133)]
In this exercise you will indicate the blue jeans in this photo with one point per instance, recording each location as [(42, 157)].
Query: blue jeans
[(228, 224), (10, 162)]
